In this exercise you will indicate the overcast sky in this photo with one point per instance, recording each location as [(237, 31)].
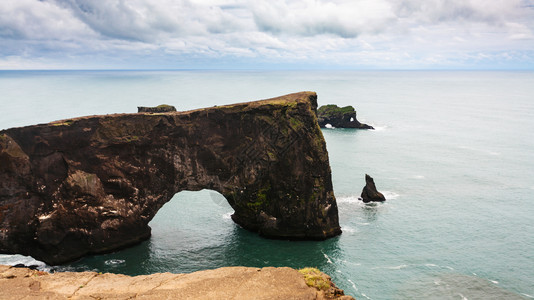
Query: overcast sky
[(266, 34)]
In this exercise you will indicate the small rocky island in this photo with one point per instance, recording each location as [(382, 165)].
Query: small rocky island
[(339, 117), (91, 185), (370, 193)]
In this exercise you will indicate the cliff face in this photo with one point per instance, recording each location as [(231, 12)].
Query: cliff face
[(223, 283), (92, 184)]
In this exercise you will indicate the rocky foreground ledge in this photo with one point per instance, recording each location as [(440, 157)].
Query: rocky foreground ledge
[(223, 283)]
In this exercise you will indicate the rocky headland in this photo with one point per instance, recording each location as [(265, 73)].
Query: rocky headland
[(223, 283), (91, 185), (339, 117)]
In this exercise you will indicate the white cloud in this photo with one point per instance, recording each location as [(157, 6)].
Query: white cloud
[(312, 17), (517, 31), (38, 20), (154, 21), (336, 32)]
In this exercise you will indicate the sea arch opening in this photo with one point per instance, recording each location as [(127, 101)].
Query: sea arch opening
[(191, 232)]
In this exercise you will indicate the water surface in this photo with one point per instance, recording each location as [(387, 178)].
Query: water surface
[(453, 153)]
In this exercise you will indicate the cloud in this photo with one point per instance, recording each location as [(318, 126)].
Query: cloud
[(152, 21), (38, 20), (174, 33), (436, 11), (349, 19), (346, 19)]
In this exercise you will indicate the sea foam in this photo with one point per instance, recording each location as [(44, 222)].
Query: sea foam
[(390, 195), (348, 229)]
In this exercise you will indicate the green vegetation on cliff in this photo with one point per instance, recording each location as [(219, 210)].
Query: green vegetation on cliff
[(334, 111), (315, 278)]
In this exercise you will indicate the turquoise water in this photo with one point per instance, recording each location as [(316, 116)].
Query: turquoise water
[(453, 153)]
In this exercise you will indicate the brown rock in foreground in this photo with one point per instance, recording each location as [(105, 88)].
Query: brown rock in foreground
[(91, 185), (223, 283)]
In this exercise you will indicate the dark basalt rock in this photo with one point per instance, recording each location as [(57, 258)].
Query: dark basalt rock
[(157, 109), (369, 192), (92, 184), (339, 117)]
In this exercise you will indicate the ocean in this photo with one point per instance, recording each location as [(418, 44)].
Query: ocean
[(453, 152)]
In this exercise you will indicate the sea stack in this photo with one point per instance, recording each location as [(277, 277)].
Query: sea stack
[(339, 117), (369, 192)]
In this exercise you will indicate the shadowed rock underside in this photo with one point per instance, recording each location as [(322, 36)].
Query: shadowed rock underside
[(91, 185)]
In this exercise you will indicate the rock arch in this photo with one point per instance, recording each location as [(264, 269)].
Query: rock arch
[(92, 184)]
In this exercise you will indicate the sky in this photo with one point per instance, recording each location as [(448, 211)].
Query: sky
[(266, 34)]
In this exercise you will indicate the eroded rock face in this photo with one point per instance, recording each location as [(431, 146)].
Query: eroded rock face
[(91, 185), (370, 193), (339, 117)]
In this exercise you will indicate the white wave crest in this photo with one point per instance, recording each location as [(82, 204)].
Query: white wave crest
[(12, 260), (227, 216), (392, 268), (328, 260), (397, 267), (443, 267), (353, 284), (463, 297), (484, 151), (112, 262)]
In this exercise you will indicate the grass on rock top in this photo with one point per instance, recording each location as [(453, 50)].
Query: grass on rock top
[(332, 110), (315, 278)]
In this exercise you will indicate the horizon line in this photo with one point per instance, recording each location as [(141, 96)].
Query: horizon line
[(267, 69)]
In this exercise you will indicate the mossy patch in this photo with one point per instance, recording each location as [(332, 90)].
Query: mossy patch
[(295, 123), (131, 138), (64, 123), (315, 278), (254, 205), (317, 191), (261, 198), (262, 195)]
